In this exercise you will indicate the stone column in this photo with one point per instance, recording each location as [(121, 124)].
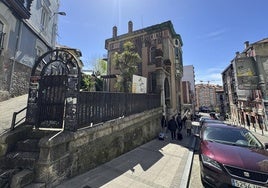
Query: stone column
[(71, 98)]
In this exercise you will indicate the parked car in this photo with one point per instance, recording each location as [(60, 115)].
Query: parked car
[(196, 117), (202, 118), (207, 119), (232, 156)]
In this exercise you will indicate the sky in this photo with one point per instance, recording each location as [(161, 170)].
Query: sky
[(212, 31)]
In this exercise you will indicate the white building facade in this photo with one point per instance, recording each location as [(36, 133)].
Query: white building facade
[(27, 30)]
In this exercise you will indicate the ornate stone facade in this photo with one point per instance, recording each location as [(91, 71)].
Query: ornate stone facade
[(160, 49)]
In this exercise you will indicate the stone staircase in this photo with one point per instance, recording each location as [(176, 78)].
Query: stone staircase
[(17, 166)]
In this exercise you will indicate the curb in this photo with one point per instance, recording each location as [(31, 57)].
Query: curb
[(187, 169)]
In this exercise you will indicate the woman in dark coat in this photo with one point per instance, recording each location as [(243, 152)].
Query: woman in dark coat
[(172, 126)]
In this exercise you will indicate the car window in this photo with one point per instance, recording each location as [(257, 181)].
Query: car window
[(212, 121), (252, 140), (237, 137)]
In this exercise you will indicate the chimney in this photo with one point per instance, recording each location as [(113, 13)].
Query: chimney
[(236, 54), (114, 32), (130, 27), (246, 44)]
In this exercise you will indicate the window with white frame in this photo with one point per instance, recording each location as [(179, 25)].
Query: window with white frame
[(44, 19)]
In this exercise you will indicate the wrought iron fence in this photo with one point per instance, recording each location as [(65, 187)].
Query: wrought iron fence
[(96, 107)]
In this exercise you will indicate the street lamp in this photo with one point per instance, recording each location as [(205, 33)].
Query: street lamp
[(55, 26), (60, 13)]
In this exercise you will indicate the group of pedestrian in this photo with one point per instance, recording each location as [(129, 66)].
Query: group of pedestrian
[(175, 125)]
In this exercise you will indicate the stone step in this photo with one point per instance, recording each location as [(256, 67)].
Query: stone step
[(36, 185), (6, 176), (22, 178), (37, 134), (20, 160), (28, 145)]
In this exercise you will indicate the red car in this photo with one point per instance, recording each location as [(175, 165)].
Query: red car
[(232, 156)]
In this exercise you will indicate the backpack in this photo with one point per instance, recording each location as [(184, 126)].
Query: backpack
[(161, 136)]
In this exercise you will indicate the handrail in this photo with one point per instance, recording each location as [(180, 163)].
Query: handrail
[(14, 123)]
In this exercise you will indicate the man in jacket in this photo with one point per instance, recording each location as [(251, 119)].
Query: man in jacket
[(172, 126)]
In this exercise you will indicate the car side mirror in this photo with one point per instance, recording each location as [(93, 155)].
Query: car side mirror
[(266, 146)]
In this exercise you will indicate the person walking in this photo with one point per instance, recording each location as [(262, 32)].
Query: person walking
[(179, 122), (253, 121), (183, 121), (172, 126), (188, 123), (163, 123)]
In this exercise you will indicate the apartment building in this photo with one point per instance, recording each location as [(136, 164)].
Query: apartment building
[(245, 87), (188, 88), (206, 96), (230, 95), (27, 30)]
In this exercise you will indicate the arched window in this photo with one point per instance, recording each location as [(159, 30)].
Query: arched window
[(152, 85), (176, 42), (167, 92)]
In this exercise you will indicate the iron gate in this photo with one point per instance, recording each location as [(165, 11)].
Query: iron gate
[(54, 84), (51, 101)]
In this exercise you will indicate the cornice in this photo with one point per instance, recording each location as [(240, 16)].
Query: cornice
[(19, 8)]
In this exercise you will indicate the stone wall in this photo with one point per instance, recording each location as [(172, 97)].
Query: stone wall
[(72, 153), (14, 80)]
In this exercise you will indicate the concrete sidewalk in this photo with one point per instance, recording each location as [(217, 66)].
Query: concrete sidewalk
[(8, 107), (262, 135), (155, 164)]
